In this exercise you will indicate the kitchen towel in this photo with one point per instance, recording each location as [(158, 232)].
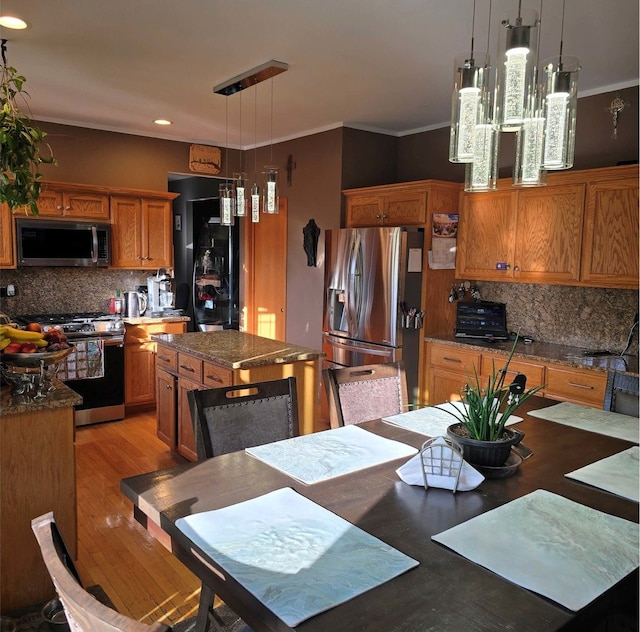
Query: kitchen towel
[(618, 474), (591, 419), (323, 455), (86, 363), (297, 558), (412, 474), (553, 546), (433, 421)]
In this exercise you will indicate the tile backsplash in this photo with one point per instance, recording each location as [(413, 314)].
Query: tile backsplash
[(60, 290), (593, 318)]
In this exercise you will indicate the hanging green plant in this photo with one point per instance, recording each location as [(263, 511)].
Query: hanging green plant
[(21, 143)]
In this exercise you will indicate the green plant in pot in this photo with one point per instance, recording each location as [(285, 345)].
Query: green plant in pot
[(21, 143), (481, 429)]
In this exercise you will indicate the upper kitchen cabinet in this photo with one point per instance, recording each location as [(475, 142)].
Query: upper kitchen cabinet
[(73, 201), (610, 247), (141, 235), (580, 229), (485, 236), (7, 238), (406, 204)]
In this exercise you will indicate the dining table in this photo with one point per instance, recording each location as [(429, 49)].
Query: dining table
[(443, 591)]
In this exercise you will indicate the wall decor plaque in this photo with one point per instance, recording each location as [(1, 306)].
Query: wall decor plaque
[(205, 159)]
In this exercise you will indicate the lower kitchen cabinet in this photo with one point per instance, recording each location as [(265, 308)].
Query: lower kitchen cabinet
[(166, 402), (185, 435), (449, 367), (140, 360)]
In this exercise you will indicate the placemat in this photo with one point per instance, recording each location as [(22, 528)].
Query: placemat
[(296, 557), (592, 419), (556, 547), (618, 474), (323, 455), (433, 421)]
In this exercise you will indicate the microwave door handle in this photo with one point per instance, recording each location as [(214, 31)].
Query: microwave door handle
[(94, 244)]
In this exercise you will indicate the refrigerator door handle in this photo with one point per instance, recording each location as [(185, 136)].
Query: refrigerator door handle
[(352, 321)]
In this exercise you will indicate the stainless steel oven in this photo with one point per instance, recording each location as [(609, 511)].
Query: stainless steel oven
[(100, 336)]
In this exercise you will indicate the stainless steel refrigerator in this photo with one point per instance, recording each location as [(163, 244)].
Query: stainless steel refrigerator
[(373, 280)]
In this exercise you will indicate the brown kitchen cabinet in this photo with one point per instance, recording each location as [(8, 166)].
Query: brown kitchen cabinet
[(406, 204), (60, 200), (185, 430), (140, 360), (7, 238), (141, 234), (449, 366), (581, 229), (166, 402), (610, 244)]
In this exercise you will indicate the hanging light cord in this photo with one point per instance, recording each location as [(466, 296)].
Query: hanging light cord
[(561, 34), (473, 30), (240, 132), (489, 28), (226, 140), (255, 134), (271, 145)]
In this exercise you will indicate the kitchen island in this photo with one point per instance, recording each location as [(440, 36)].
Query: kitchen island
[(201, 360), (38, 474)]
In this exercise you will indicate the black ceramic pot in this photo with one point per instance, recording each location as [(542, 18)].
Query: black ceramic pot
[(487, 453)]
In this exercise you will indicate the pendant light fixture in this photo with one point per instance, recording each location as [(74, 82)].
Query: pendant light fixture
[(559, 77), (527, 168), (470, 84), (240, 178), (515, 81), (225, 189), (255, 189), (270, 190)]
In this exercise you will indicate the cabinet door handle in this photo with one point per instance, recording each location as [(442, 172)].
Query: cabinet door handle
[(585, 386), (214, 378), (452, 359), (168, 387), (163, 358), (187, 368)]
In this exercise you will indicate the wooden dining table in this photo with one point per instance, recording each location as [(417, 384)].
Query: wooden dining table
[(445, 592)]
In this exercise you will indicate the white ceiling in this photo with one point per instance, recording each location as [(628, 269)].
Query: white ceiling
[(381, 65)]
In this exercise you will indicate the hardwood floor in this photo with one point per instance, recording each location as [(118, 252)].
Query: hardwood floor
[(142, 578)]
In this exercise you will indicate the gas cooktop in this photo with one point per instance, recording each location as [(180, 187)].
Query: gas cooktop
[(77, 324)]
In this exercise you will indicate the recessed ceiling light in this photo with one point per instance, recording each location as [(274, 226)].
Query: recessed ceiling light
[(12, 22), (162, 122)]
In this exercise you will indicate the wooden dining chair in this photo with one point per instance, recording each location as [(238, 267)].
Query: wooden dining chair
[(361, 393), (232, 418), (83, 611)]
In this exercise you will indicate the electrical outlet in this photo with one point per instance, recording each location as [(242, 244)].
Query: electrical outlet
[(8, 290)]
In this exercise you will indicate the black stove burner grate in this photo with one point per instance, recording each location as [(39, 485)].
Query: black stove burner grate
[(59, 319)]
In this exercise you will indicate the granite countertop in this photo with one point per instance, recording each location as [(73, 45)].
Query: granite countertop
[(61, 397), (237, 350), (549, 353)]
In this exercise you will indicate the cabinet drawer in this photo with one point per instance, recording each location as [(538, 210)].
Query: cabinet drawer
[(215, 376), (190, 367), (534, 372), (455, 359), (580, 386), (167, 358)]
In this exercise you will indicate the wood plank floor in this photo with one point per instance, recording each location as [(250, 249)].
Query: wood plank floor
[(140, 576)]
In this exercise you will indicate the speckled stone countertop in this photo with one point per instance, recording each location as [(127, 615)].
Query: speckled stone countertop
[(237, 350), (61, 397), (549, 353)]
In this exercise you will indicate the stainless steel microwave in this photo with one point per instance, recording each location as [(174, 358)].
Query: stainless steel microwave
[(61, 243)]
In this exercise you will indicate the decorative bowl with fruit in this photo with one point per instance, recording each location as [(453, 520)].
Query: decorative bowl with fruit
[(29, 357)]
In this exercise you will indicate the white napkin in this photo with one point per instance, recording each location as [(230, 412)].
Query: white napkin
[(411, 473)]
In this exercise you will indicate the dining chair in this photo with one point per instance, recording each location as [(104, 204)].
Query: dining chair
[(232, 418), (361, 393), (83, 611)]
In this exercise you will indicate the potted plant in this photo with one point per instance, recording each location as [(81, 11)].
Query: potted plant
[(21, 142), (480, 429)]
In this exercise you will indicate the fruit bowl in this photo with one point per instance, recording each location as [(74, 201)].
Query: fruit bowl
[(34, 360)]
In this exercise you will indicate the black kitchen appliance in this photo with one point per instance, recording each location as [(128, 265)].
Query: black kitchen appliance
[(481, 320), (101, 386)]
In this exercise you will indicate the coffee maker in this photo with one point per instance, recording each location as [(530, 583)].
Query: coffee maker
[(160, 292)]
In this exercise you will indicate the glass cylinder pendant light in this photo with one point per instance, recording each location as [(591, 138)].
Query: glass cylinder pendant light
[(482, 173), (516, 69), (255, 189), (471, 76), (527, 169), (226, 204), (240, 193), (559, 77), (270, 190), (255, 203)]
